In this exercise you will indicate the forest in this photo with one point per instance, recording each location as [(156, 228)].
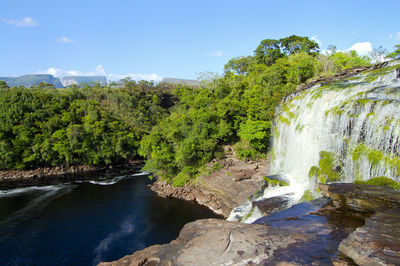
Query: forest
[(175, 129)]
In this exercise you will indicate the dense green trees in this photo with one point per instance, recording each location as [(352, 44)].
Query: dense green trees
[(237, 108), (270, 50), (43, 126)]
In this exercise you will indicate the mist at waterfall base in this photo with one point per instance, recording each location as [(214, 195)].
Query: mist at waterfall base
[(85, 223), (356, 120)]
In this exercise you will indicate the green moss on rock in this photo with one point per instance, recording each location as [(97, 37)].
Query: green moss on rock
[(329, 168), (307, 196), (274, 182), (380, 181)]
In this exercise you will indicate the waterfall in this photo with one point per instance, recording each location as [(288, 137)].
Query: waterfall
[(351, 127)]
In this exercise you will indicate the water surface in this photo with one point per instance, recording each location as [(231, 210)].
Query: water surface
[(85, 223)]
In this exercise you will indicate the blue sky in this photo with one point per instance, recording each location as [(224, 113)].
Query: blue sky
[(152, 39)]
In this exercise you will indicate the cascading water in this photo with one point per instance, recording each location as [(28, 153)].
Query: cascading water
[(344, 131)]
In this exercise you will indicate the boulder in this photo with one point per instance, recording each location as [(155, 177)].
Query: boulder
[(361, 198), (377, 242), (216, 242), (273, 204)]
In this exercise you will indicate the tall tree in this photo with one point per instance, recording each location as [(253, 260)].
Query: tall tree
[(396, 53), (239, 65), (268, 52), (296, 44)]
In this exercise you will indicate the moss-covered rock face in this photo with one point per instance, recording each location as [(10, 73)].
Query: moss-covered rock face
[(307, 196), (346, 130), (380, 181), (274, 182), (329, 168)]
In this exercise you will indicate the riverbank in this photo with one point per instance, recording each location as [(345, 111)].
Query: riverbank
[(55, 175), (223, 189)]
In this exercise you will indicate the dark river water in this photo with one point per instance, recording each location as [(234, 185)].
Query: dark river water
[(85, 223)]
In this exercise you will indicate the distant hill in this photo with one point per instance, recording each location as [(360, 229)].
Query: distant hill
[(29, 80), (190, 82), (69, 80)]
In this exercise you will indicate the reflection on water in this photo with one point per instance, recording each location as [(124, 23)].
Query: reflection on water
[(85, 223)]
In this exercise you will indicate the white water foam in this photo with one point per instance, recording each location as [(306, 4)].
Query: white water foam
[(114, 180), (18, 191)]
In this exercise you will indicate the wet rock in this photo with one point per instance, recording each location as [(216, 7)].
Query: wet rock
[(216, 242), (273, 204), (377, 242), (325, 234), (361, 198)]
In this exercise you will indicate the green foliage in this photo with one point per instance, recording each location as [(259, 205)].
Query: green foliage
[(257, 133), (268, 52), (375, 157), (248, 215), (307, 196), (3, 84), (329, 168), (296, 44), (41, 126), (217, 166), (274, 182), (237, 108), (239, 65), (380, 181), (345, 60), (396, 53)]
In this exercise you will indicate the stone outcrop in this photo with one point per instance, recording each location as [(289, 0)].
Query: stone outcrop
[(220, 190), (216, 242), (273, 204), (361, 198), (376, 243)]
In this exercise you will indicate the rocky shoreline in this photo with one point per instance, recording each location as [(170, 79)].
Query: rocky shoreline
[(220, 190), (345, 227), (54, 175)]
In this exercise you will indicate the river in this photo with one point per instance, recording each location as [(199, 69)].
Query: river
[(83, 223)]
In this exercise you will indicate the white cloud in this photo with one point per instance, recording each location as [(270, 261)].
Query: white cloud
[(100, 71), (25, 22), (362, 48), (216, 53), (315, 39), (134, 76), (65, 40), (390, 36)]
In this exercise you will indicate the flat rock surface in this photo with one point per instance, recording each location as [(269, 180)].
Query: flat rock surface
[(223, 189), (377, 242), (216, 242)]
